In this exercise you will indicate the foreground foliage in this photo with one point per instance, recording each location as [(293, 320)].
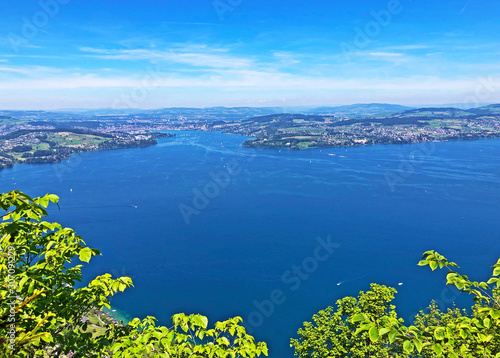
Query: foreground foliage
[(41, 313), (333, 334), (373, 330)]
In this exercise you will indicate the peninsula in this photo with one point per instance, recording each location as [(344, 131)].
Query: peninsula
[(49, 137), (298, 131), (34, 144)]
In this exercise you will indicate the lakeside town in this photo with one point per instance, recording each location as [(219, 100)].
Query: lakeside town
[(49, 137), (38, 144)]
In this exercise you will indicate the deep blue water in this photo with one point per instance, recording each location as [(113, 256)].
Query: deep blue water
[(382, 206)]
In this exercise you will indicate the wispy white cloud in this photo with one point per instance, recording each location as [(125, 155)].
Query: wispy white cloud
[(286, 58), (243, 88), (407, 47), (231, 79), (392, 59), (187, 68), (382, 54), (464, 8), (29, 71), (190, 23), (198, 56), (11, 42)]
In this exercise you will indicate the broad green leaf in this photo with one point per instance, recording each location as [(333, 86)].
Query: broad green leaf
[(53, 198), (85, 254), (392, 335), (373, 334), (484, 286), (383, 331), (359, 317), (200, 321), (418, 344), (438, 349), (433, 265), (408, 346), (439, 333)]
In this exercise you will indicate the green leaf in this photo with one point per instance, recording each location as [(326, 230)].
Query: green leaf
[(373, 333), (484, 286), (43, 201), (408, 346), (200, 321), (31, 288), (384, 331), (496, 271), (47, 337), (85, 254), (439, 333), (392, 335), (433, 265), (53, 198), (418, 344), (438, 349), (359, 317), (23, 281)]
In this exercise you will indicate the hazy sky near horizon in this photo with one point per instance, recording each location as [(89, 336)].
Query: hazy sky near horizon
[(200, 53)]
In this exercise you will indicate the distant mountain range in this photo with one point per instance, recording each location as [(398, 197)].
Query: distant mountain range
[(362, 109), (443, 113), (248, 112), (242, 113)]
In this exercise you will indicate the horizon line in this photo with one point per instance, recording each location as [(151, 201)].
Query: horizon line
[(443, 105)]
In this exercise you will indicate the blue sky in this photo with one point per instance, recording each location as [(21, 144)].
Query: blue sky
[(201, 53)]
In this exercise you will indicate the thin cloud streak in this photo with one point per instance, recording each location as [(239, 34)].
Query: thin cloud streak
[(207, 58), (245, 79)]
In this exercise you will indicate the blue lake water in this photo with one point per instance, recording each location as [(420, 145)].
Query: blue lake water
[(275, 235)]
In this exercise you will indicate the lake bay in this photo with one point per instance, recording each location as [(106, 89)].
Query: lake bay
[(204, 225)]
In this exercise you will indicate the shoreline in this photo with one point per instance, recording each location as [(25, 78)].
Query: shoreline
[(246, 145), (55, 160), (117, 315), (249, 144)]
